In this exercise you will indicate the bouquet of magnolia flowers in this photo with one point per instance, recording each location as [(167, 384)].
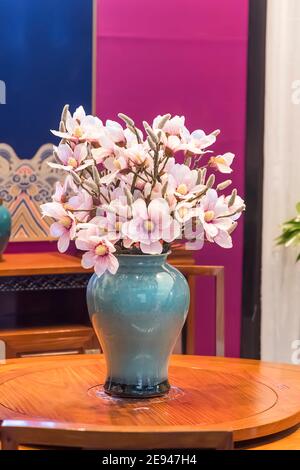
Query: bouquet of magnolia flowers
[(124, 192)]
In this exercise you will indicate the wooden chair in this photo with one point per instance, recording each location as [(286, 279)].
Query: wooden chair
[(14, 433), (72, 339), (190, 272)]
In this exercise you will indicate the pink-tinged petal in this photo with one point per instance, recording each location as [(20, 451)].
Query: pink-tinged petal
[(79, 113), (113, 264), (71, 124), (223, 223), (139, 209), (61, 135), (85, 165), (57, 166), (223, 239), (229, 157), (64, 153), (132, 229), (63, 242), (84, 245), (80, 152), (88, 260), (221, 208), (57, 230), (59, 191), (224, 168), (159, 211), (173, 232), (101, 265), (100, 153), (53, 209), (198, 134), (154, 248), (212, 197), (210, 229)]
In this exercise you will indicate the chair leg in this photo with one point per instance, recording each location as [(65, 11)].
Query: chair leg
[(191, 318), (7, 443)]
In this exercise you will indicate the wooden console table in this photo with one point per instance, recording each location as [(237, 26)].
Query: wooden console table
[(252, 399)]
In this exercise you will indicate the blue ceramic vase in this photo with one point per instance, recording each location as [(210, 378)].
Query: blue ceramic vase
[(5, 227), (138, 314)]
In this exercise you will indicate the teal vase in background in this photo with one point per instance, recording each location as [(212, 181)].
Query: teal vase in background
[(5, 227), (138, 314)]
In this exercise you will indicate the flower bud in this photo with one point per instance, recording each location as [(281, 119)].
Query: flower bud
[(210, 182), (164, 120), (64, 113), (232, 198), (126, 119), (224, 185)]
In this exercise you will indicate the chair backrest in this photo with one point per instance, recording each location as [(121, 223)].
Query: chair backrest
[(190, 272), (43, 433)]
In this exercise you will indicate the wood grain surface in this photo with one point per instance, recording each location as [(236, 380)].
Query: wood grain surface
[(250, 398), (29, 264)]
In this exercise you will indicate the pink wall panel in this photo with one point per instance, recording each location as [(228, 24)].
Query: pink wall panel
[(184, 57)]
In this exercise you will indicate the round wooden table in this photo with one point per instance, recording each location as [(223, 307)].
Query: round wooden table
[(251, 398)]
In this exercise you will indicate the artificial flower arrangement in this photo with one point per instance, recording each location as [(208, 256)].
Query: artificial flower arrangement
[(124, 192)]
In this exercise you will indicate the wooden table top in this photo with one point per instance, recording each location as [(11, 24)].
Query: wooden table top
[(30, 264), (251, 398)]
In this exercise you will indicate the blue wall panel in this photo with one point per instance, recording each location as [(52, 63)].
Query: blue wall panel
[(45, 62)]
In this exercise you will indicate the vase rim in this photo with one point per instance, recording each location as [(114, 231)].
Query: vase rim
[(143, 255)]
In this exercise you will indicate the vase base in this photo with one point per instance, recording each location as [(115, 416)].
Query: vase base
[(120, 390)]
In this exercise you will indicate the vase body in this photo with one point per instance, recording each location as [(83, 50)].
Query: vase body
[(138, 314), (5, 228)]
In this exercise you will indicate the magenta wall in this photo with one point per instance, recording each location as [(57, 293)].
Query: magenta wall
[(184, 57)]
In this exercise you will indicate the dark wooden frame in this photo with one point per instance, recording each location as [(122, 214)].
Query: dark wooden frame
[(251, 311)]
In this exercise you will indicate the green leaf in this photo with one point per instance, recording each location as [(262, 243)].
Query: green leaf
[(298, 207)]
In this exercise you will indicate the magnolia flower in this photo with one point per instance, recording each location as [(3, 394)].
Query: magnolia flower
[(151, 224), (212, 213), (117, 162), (183, 180), (172, 144), (197, 141), (99, 253), (173, 126), (65, 226), (184, 211), (72, 159), (81, 203), (80, 127), (222, 162), (138, 156)]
